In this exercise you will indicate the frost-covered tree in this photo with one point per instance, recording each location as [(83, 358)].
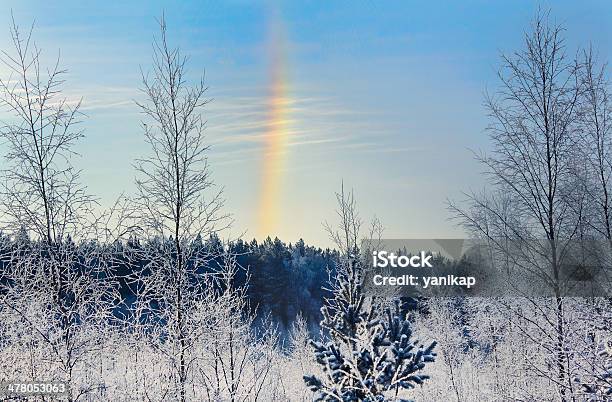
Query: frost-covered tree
[(58, 290), (595, 124), (240, 357), (534, 134), (177, 204), (592, 345), (370, 353)]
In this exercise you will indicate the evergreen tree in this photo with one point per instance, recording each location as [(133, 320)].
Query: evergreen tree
[(371, 354)]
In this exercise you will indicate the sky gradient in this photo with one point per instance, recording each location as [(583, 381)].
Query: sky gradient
[(386, 96)]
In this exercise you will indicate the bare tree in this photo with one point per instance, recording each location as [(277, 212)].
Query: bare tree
[(41, 190), (58, 286), (346, 234), (595, 124), (595, 114), (176, 203), (533, 131), (237, 359)]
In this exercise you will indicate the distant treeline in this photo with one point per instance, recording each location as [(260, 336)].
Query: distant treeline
[(281, 280)]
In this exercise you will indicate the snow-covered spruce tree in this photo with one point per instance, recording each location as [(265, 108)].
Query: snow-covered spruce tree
[(370, 353)]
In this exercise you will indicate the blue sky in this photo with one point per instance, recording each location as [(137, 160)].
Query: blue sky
[(385, 95)]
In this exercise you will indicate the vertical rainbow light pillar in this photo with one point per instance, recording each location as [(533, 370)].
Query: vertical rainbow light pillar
[(276, 135)]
